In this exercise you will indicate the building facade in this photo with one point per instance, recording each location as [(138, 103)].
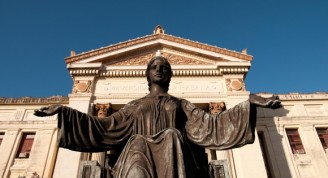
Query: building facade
[(292, 141)]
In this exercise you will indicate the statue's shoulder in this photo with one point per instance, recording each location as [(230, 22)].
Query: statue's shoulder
[(136, 101)]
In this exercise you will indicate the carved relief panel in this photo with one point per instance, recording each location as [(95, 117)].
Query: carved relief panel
[(82, 86), (173, 59), (235, 85)]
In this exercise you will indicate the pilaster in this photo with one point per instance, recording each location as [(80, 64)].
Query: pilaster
[(40, 156), (249, 161), (6, 150)]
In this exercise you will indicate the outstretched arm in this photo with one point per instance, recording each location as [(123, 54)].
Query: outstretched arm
[(272, 102), (82, 132), (229, 129), (48, 111)]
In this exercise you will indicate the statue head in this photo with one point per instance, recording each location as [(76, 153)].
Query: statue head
[(165, 84)]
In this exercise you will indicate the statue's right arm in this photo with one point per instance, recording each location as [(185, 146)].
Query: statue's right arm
[(82, 132)]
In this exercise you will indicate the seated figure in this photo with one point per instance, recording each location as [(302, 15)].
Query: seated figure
[(161, 135)]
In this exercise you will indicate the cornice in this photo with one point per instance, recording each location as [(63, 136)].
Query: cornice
[(34, 101), (155, 37), (299, 96), (176, 72)]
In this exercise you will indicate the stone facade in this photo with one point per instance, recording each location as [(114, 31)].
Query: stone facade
[(112, 76), (16, 118), (306, 113)]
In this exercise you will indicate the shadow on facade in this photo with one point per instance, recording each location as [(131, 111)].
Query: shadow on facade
[(271, 137)]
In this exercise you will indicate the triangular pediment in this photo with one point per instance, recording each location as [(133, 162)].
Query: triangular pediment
[(177, 50), (174, 59)]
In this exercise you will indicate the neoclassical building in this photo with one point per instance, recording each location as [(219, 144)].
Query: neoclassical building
[(291, 142)]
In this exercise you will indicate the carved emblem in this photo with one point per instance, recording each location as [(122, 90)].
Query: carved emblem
[(216, 107), (173, 59), (235, 84), (82, 86), (102, 110)]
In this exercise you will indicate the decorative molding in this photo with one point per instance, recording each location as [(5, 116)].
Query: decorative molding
[(142, 73), (233, 70), (147, 38), (30, 100), (298, 96), (83, 72)]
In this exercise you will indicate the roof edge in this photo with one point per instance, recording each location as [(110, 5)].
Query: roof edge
[(34, 101), (76, 57)]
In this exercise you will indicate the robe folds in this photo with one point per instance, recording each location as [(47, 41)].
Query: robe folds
[(162, 136)]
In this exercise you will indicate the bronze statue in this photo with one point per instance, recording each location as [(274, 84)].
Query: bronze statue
[(163, 136)]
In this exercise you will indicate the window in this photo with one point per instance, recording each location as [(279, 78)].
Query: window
[(1, 137), (265, 153), (25, 145), (323, 136), (295, 141)]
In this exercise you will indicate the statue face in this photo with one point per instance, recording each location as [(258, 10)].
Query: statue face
[(159, 72)]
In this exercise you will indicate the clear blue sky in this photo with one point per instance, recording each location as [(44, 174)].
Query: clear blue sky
[(288, 39)]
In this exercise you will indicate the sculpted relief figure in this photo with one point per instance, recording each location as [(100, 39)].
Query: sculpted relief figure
[(102, 110), (163, 136), (216, 108)]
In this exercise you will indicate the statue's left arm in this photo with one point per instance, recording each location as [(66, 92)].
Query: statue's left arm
[(229, 129)]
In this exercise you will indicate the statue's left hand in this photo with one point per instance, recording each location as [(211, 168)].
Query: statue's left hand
[(48, 111), (272, 102)]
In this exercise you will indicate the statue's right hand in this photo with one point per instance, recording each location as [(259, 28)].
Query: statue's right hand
[(48, 111)]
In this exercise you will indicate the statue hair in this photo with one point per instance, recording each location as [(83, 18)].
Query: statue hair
[(168, 65)]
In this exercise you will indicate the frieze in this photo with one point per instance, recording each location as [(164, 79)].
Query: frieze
[(135, 86), (173, 59), (30, 100)]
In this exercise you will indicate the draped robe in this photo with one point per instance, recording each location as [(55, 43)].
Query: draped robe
[(162, 136)]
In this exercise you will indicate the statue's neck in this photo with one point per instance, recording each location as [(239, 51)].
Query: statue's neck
[(157, 90)]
